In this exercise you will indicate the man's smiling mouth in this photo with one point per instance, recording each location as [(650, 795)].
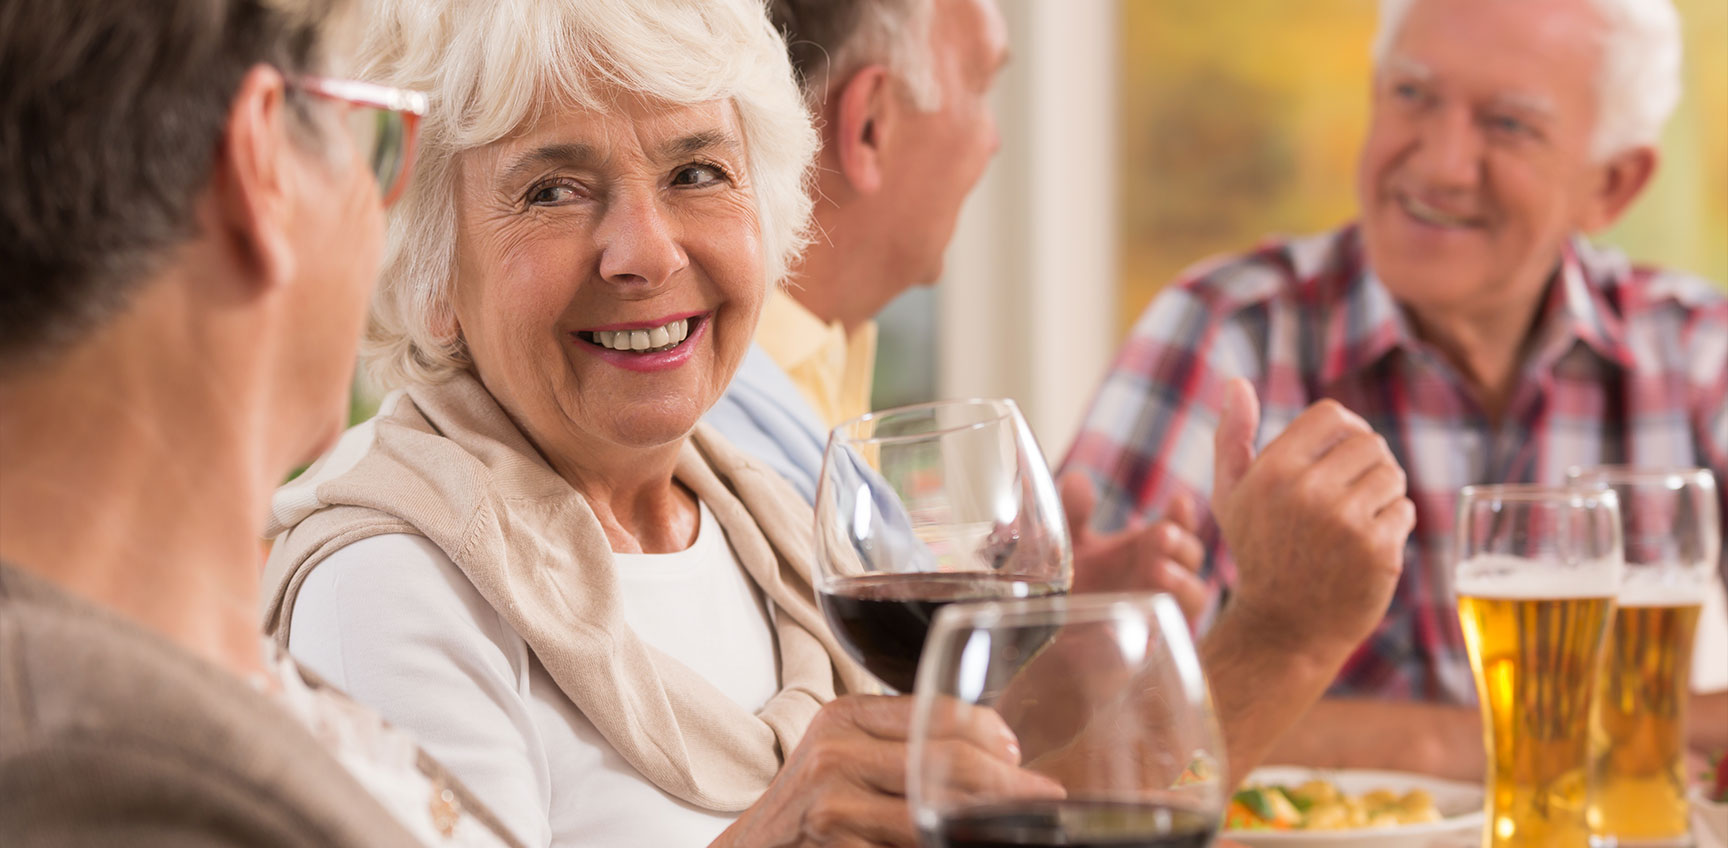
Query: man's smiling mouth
[(1436, 217)]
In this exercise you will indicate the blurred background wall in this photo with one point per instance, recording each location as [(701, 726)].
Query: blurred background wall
[(1141, 136)]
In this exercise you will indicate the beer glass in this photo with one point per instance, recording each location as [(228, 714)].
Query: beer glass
[(1105, 697), (1538, 570), (1638, 734)]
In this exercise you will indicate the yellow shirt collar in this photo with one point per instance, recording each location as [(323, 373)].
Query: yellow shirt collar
[(833, 371)]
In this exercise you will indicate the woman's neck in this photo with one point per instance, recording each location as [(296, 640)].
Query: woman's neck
[(635, 497), (139, 497)]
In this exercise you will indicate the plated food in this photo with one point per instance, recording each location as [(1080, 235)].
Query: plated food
[(1318, 804), (1314, 808)]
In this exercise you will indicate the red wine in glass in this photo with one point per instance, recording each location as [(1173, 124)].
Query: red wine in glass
[(882, 619), (1075, 823)]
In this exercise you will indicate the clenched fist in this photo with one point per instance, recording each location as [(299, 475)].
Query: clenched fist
[(1316, 523)]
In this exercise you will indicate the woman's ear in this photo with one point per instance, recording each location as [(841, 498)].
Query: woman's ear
[(253, 179), (861, 120)]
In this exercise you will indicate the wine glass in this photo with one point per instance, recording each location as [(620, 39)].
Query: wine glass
[(1104, 695), (1538, 570), (922, 506)]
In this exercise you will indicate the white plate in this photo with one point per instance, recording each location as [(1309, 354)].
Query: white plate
[(1460, 805), (1708, 817)]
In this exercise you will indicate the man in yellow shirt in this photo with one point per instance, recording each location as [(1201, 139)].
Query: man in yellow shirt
[(900, 90), (832, 368)]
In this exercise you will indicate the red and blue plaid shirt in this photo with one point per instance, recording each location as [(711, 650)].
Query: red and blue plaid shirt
[(1626, 365)]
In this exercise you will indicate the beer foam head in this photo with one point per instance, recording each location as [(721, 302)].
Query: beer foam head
[(1665, 585), (1501, 576)]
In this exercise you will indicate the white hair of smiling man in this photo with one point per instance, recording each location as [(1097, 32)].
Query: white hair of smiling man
[(1639, 80), (491, 67)]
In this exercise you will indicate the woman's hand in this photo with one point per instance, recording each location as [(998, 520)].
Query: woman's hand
[(845, 783)]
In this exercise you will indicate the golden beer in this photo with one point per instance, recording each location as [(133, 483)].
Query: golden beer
[(1536, 659), (1671, 530), (1638, 743)]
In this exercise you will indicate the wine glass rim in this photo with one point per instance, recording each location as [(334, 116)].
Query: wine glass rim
[(1074, 608), (1534, 493), (1009, 409), (1670, 476)]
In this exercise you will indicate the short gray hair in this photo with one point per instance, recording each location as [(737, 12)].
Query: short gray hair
[(831, 39), (491, 67), (1638, 83), (111, 121)]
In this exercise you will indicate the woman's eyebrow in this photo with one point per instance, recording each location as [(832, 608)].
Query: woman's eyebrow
[(530, 162), (701, 141)]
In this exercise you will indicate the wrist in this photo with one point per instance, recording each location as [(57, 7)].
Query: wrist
[(1244, 620)]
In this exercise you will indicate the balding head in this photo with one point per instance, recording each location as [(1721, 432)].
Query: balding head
[(830, 39)]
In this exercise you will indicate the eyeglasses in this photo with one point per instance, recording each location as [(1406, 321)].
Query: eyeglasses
[(385, 123)]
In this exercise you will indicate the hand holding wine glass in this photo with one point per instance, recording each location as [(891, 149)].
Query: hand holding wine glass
[(845, 783)]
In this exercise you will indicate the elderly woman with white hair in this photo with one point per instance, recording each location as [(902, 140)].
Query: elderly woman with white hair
[(593, 611)]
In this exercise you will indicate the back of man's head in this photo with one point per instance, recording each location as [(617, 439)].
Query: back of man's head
[(111, 117), (829, 40)]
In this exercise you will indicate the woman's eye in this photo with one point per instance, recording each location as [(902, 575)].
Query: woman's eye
[(1407, 91), (698, 176), (551, 194)]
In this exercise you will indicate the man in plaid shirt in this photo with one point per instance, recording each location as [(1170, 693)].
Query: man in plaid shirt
[(1464, 317)]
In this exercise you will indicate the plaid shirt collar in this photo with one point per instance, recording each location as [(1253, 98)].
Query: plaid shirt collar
[(1366, 323)]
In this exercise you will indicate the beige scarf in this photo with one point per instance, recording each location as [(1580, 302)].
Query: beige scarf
[(445, 462)]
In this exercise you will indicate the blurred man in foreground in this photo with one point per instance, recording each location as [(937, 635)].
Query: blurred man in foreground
[(1464, 316), (191, 217)]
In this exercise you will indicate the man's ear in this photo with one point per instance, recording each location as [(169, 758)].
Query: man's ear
[(1619, 181), (861, 119), (254, 180)]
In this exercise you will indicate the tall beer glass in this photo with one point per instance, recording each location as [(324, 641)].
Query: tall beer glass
[(1673, 540), (1538, 569)]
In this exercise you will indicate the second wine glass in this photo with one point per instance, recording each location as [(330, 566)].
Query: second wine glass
[(1106, 700), (922, 506)]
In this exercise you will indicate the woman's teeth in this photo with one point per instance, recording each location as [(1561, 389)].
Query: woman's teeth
[(643, 341)]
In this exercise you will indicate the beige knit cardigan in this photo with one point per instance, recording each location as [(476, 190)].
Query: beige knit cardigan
[(445, 462)]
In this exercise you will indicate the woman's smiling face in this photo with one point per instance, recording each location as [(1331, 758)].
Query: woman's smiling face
[(609, 271)]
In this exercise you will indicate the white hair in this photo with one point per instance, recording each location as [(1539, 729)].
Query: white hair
[(492, 67), (895, 34), (1638, 84)]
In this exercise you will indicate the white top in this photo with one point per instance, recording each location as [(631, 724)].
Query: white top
[(384, 759), (394, 622)]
